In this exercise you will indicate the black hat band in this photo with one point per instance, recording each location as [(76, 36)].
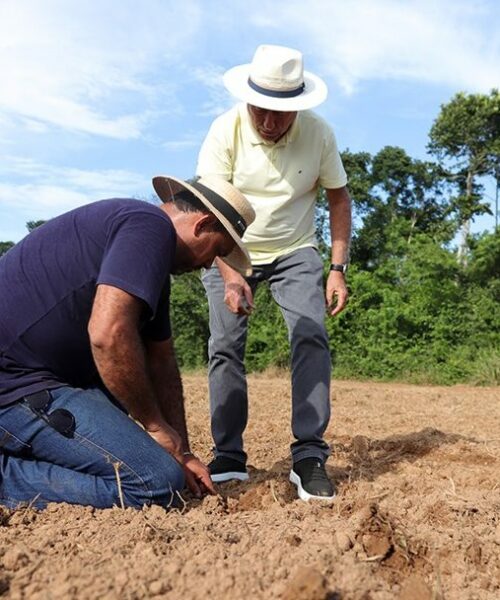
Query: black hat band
[(225, 209), (277, 93)]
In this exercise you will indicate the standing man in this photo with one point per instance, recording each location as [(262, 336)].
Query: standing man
[(85, 338), (277, 153)]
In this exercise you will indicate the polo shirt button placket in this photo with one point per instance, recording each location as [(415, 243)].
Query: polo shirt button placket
[(275, 159)]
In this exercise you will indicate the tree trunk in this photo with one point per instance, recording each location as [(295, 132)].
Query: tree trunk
[(463, 245)]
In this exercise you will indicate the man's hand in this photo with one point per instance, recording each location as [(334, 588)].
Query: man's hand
[(238, 297), (336, 289), (197, 476), (168, 439)]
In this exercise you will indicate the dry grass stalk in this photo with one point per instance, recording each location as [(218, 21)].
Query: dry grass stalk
[(116, 467), (273, 493), (184, 503)]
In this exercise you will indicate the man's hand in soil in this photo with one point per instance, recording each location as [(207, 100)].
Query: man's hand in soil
[(197, 475)]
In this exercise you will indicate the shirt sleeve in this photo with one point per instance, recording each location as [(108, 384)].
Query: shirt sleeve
[(138, 256), (215, 157), (332, 174)]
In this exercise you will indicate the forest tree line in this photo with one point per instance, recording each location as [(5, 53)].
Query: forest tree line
[(424, 301)]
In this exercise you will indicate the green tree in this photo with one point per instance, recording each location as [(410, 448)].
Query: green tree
[(4, 246), (189, 316), (466, 137), (485, 258), (358, 169), (405, 197), (30, 225)]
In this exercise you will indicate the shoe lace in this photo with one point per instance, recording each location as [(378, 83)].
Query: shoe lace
[(318, 473)]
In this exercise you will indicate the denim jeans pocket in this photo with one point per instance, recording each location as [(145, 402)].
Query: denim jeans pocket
[(12, 444)]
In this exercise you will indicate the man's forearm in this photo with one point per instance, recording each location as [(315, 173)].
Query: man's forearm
[(122, 366), (121, 359), (167, 383), (340, 224), (228, 273)]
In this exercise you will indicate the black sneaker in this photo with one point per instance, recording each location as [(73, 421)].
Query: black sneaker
[(223, 468), (312, 482)]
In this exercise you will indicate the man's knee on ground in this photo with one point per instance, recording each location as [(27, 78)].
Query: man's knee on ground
[(161, 483)]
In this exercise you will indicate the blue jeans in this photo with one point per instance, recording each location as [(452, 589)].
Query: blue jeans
[(104, 460), (296, 282)]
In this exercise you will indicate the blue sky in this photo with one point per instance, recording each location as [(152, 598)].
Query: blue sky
[(96, 97)]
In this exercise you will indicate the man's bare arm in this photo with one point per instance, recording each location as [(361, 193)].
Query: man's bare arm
[(167, 383), (120, 358), (339, 204)]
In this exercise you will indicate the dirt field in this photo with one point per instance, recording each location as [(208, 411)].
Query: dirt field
[(417, 516)]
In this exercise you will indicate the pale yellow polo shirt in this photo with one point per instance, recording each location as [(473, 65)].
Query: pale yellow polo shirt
[(279, 179)]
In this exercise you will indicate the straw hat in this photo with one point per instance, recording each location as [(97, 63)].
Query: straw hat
[(276, 80), (226, 202)]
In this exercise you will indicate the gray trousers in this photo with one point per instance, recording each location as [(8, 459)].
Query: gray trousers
[(296, 285)]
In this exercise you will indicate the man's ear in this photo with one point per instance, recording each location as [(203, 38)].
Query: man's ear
[(204, 223)]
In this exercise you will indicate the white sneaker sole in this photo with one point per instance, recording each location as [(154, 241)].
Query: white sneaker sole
[(229, 476), (306, 496)]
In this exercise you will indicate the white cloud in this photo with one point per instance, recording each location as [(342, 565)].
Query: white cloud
[(111, 68), (186, 142), (42, 200), (34, 126), (442, 42), (47, 191), (217, 99), (86, 66), (30, 169)]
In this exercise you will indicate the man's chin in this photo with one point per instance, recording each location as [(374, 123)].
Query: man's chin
[(269, 137)]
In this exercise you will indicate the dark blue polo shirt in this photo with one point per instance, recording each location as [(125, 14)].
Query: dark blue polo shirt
[(48, 283)]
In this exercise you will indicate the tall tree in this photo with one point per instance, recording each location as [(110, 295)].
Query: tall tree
[(405, 198), (4, 246), (466, 137), (30, 225)]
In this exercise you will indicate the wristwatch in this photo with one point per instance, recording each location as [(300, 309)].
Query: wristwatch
[(342, 267)]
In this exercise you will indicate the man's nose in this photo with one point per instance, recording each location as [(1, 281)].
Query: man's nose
[(270, 119)]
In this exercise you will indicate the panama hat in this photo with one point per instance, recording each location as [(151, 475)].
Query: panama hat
[(226, 202), (276, 80)]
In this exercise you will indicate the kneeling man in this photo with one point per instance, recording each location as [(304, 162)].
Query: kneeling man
[(85, 344)]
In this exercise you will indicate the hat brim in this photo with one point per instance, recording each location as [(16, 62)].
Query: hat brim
[(314, 93), (238, 258)]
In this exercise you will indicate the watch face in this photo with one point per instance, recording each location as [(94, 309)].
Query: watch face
[(342, 268)]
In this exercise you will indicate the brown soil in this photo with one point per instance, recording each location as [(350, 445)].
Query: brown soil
[(417, 516)]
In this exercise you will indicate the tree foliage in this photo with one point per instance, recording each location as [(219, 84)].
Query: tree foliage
[(4, 246), (30, 225), (466, 137)]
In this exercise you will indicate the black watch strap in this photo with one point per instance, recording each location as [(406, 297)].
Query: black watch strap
[(342, 267)]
